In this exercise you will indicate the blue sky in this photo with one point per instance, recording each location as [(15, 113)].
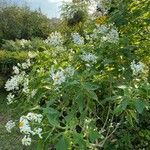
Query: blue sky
[(51, 8)]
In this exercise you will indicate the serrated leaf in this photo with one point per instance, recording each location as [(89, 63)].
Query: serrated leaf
[(70, 115), (53, 119), (62, 144), (139, 105), (80, 101)]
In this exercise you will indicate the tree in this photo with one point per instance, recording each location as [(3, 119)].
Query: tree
[(20, 22)]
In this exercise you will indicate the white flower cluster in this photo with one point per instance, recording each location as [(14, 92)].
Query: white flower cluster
[(55, 39), (102, 29), (26, 64), (137, 67), (60, 76), (10, 98), (112, 36), (23, 42), (14, 82), (26, 140), (9, 125), (58, 50), (33, 92), (89, 58), (25, 85), (69, 71), (77, 39), (15, 70), (25, 127), (108, 34), (19, 78)]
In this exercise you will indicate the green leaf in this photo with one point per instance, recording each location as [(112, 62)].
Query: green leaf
[(131, 116), (124, 104), (94, 135), (118, 110), (90, 86), (52, 115), (139, 105), (50, 111), (79, 139), (80, 101), (92, 95), (62, 144), (53, 120), (70, 115)]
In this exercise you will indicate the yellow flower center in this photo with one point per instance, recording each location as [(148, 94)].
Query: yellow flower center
[(21, 124)]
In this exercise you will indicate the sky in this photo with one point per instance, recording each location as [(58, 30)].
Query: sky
[(51, 8)]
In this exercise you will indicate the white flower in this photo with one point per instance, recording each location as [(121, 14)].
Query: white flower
[(26, 64), (26, 140), (10, 98), (33, 92), (24, 125), (58, 77), (13, 83), (34, 117), (38, 131), (70, 71), (16, 69), (23, 42), (25, 85), (38, 118), (137, 67), (112, 36), (32, 54), (77, 39), (9, 125), (89, 57), (55, 39), (108, 33), (102, 29)]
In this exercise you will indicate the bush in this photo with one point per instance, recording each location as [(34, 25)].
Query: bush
[(19, 45), (22, 23), (91, 93), (9, 59)]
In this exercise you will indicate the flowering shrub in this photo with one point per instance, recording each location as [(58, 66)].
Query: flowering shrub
[(77, 95), (24, 45)]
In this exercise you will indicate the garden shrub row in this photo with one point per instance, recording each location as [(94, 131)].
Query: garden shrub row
[(24, 45), (8, 59)]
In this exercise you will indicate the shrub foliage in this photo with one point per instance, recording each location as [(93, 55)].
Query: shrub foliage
[(91, 91)]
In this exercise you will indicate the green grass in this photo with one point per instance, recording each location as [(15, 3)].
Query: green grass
[(9, 141)]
